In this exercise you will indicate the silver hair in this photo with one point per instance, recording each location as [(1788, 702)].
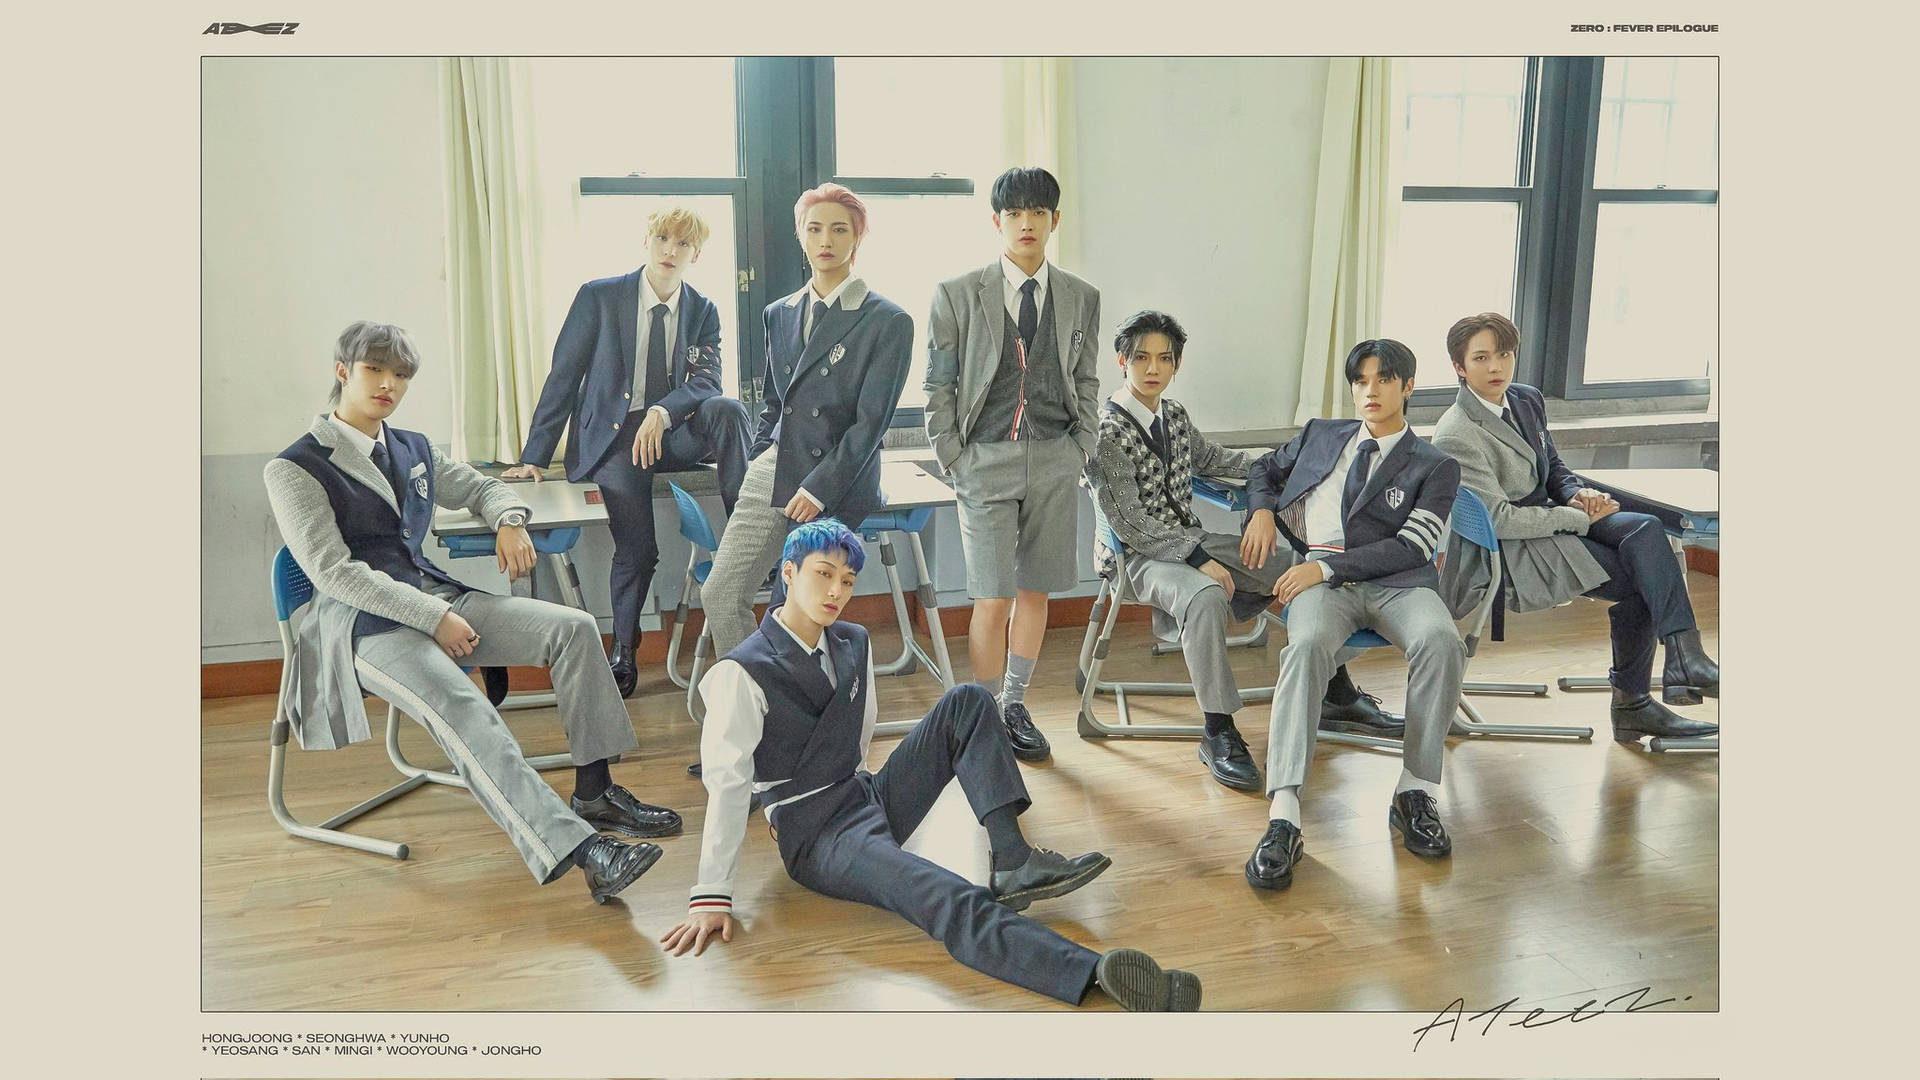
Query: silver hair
[(384, 343)]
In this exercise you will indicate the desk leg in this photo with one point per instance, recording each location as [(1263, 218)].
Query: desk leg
[(930, 606), (904, 663)]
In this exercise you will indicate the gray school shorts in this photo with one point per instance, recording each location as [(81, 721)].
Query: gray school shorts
[(1019, 505)]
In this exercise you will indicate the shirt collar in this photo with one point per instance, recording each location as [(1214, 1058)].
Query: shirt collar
[(357, 438), (1017, 277), (832, 299), (648, 298), (1491, 407), (1388, 442), (816, 650), (1139, 412)]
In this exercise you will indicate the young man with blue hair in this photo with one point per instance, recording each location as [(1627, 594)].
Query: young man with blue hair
[(790, 714)]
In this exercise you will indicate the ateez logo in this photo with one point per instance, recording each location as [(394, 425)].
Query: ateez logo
[(243, 28)]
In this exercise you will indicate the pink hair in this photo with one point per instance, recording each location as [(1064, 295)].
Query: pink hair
[(832, 193)]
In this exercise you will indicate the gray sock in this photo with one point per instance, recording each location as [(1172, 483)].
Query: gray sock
[(1013, 688)]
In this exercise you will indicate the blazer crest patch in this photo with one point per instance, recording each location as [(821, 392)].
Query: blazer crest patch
[(835, 354), (420, 486), (693, 354), (1078, 337), (1395, 497)]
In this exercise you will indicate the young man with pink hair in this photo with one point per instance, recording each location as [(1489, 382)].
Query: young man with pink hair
[(837, 358)]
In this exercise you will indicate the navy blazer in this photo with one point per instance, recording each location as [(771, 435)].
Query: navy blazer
[(830, 401), (589, 390), (1394, 527)]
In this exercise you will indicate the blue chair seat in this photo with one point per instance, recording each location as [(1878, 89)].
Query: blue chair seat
[(1362, 638), (545, 542), (907, 521), (701, 570)]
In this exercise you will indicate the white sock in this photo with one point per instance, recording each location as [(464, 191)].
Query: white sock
[(1410, 782), (1286, 805)]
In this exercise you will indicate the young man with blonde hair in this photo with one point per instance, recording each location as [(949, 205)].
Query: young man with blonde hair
[(636, 386)]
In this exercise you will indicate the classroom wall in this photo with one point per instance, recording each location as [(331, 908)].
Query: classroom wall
[(1196, 188)]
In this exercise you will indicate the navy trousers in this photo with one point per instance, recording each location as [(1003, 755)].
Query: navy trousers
[(717, 433), (845, 842), (1649, 595)]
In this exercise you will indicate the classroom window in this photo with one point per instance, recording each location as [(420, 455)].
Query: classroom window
[(1606, 173)]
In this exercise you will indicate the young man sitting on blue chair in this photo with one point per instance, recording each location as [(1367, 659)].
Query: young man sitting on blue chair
[(1560, 539), (1142, 474), (1364, 502), (354, 498), (790, 713)]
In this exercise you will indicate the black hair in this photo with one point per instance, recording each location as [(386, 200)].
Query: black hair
[(1025, 188), (1396, 360), (1141, 323)]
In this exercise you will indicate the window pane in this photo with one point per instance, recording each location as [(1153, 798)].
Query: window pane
[(1655, 292), (1453, 259), (607, 238), (913, 243), (918, 117), (1659, 123), (1462, 120), (593, 116)]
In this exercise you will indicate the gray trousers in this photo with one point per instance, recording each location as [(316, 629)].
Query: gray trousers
[(1200, 609), (1319, 621), (407, 668), (756, 532)]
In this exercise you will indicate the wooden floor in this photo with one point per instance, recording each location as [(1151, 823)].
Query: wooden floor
[(1580, 870)]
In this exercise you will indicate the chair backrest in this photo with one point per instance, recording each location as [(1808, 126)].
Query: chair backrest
[(1471, 520), (291, 589), (693, 520)]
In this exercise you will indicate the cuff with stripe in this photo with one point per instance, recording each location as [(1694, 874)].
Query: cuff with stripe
[(710, 901)]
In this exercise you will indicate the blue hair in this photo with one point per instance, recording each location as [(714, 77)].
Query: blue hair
[(822, 535)]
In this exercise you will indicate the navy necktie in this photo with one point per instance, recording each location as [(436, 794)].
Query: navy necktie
[(1507, 415), (1159, 435), (1029, 311), (384, 462), (657, 356), (1357, 478), (819, 316)]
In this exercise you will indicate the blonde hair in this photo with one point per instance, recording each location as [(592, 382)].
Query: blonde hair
[(679, 223)]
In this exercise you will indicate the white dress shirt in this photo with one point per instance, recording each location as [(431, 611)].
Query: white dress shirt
[(357, 438), (1326, 528), (1494, 407), (644, 328), (736, 719), (1141, 414), (1012, 277)]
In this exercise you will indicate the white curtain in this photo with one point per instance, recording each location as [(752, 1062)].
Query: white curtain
[(1036, 102), (1356, 216), (492, 256)]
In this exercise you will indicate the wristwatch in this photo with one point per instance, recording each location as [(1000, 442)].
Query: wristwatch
[(513, 517)]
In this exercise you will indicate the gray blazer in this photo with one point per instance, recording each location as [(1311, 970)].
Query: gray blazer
[(320, 693), (1545, 563), (964, 335)]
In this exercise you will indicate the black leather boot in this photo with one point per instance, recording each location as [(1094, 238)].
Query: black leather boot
[(1635, 715), (1690, 673), (625, 675)]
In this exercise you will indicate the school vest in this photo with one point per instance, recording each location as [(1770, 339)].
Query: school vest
[(812, 734), (1046, 415)]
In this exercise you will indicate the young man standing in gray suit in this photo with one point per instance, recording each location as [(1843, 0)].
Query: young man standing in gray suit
[(1013, 397), (1560, 539), (354, 498)]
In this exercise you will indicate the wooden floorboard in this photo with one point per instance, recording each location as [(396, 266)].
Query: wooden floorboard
[(1579, 869)]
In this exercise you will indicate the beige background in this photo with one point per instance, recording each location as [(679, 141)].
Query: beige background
[(102, 269)]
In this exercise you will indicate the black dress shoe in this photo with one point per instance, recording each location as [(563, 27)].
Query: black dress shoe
[(1028, 743), (611, 865), (1417, 817), (1271, 866), (618, 811), (625, 675), (1045, 874), (495, 679), (1133, 979), (693, 770), (1361, 716), (1226, 757), (1690, 674), (1637, 715)]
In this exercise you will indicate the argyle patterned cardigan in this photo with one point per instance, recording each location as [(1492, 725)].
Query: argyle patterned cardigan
[(1147, 503)]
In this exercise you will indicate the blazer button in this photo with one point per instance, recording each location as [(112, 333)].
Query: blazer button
[(616, 425), (816, 453), (824, 369), (406, 534), (626, 397), (788, 411), (816, 412), (789, 369)]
